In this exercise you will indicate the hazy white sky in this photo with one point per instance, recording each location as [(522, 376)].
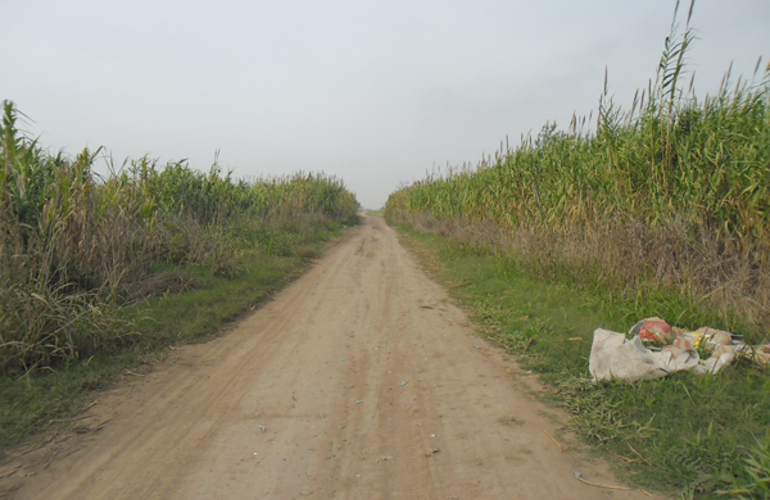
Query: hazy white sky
[(376, 92)]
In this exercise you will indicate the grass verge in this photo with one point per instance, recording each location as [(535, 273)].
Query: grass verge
[(30, 402), (681, 435)]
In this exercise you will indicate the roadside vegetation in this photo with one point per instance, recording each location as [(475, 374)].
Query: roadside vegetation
[(98, 273), (663, 210)]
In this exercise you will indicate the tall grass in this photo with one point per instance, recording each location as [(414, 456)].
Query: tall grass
[(659, 209), (74, 246), (673, 192)]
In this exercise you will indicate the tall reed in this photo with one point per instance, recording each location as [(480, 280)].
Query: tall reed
[(74, 245), (674, 191)]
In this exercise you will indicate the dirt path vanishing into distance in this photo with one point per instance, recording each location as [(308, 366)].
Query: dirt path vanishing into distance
[(361, 380)]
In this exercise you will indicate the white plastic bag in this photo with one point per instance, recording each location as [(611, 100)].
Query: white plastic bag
[(613, 356)]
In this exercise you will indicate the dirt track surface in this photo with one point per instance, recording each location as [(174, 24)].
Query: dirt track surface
[(359, 381)]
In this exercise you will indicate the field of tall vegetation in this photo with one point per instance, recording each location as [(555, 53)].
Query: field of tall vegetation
[(673, 192), (662, 208), (76, 247)]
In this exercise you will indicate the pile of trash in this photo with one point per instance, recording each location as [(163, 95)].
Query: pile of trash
[(657, 349)]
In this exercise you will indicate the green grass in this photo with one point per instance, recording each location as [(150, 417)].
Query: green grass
[(689, 434), (28, 403)]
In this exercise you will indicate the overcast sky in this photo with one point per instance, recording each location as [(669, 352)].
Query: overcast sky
[(376, 92)]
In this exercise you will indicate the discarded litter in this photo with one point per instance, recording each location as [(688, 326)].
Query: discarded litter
[(262, 427), (339, 427), (359, 401), (343, 359), (403, 383), (477, 347), (657, 349), (653, 329), (577, 474)]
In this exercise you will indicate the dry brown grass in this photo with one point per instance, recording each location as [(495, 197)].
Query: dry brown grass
[(630, 257)]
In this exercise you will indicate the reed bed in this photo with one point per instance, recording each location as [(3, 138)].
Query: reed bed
[(673, 192), (76, 246), (659, 209)]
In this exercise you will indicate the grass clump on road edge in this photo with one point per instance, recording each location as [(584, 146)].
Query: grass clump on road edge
[(680, 434)]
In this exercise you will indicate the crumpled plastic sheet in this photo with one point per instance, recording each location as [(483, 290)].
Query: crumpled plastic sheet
[(613, 356)]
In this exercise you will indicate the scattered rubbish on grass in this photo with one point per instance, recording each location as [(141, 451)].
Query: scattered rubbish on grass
[(431, 452), (656, 349), (654, 329), (390, 420), (577, 474), (477, 347), (264, 429), (343, 359), (359, 401), (403, 383), (340, 427), (576, 339), (762, 355), (614, 356)]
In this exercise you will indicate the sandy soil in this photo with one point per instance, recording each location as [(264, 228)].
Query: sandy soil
[(360, 381)]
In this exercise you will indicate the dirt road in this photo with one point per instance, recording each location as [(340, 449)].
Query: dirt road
[(359, 381)]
